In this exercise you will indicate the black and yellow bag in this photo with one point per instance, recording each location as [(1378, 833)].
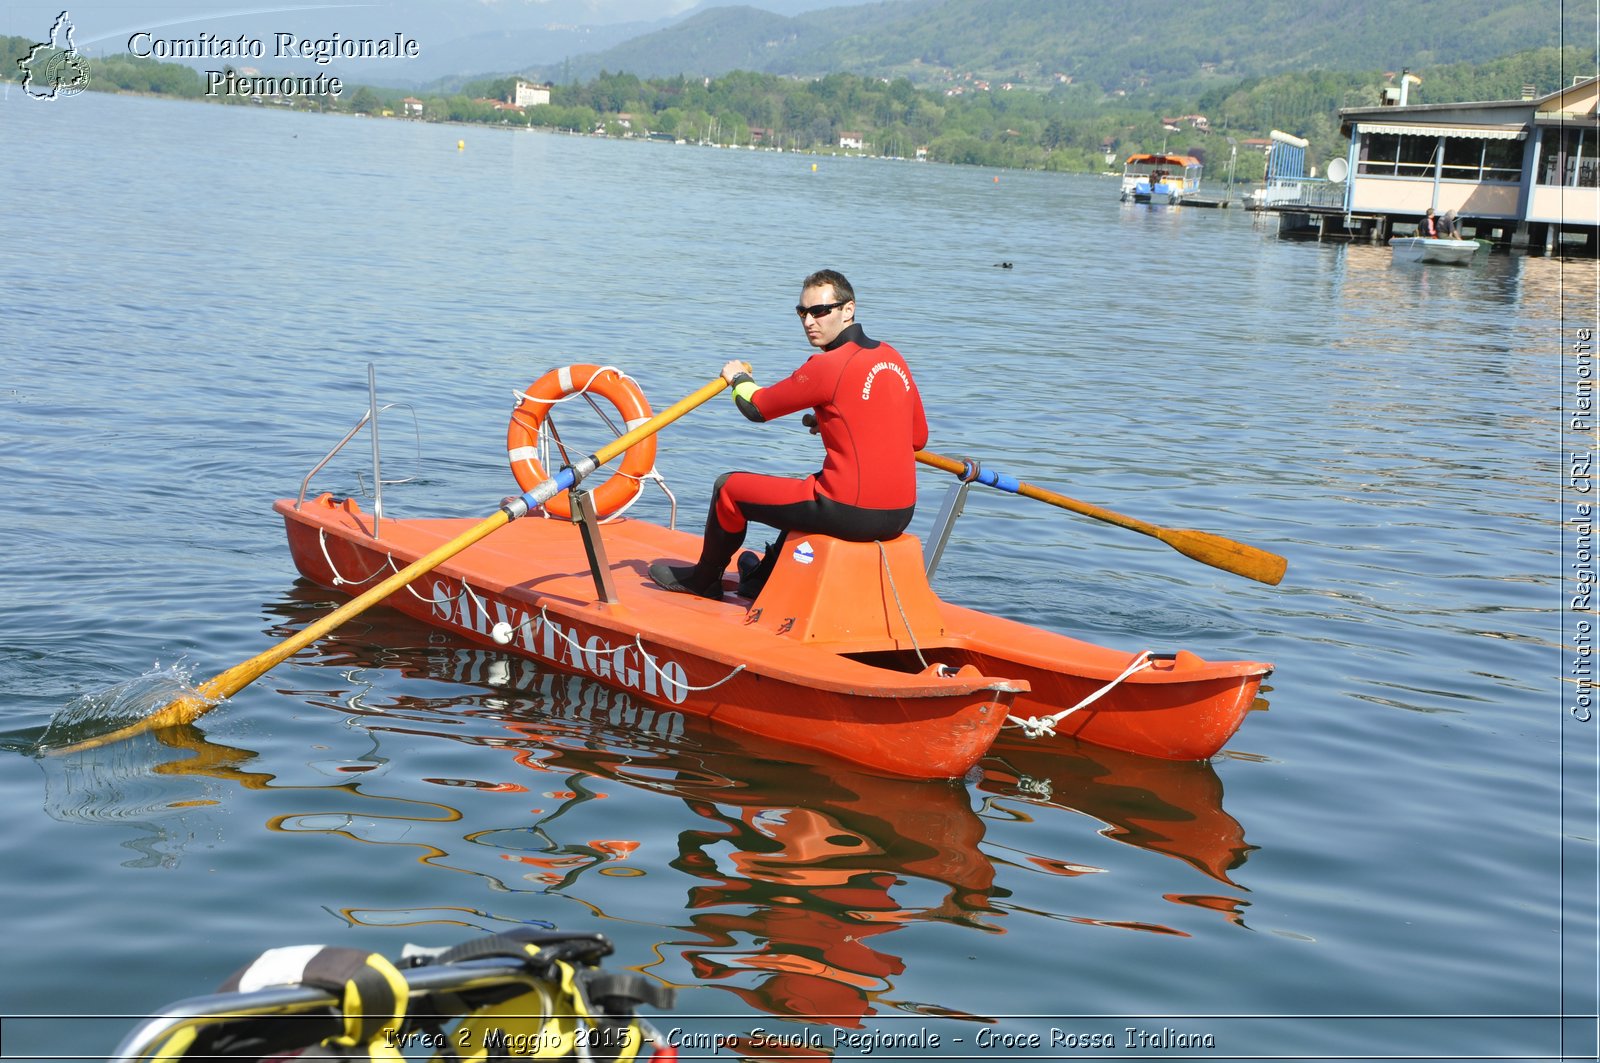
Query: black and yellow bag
[(521, 995)]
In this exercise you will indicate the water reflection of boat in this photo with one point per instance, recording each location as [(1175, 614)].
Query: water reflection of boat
[(799, 867), (1166, 807), (799, 871)]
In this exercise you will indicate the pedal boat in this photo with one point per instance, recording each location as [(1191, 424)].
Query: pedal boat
[(847, 650)]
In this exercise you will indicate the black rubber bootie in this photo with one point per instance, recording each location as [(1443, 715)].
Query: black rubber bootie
[(679, 578)]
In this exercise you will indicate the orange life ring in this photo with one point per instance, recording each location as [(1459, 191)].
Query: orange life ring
[(533, 406)]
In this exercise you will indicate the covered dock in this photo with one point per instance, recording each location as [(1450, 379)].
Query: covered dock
[(1520, 174)]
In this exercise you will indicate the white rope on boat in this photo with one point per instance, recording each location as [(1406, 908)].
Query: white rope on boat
[(482, 608), (644, 655), (1040, 726), (606, 648), (523, 396), (904, 620), (339, 580), (393, 566)]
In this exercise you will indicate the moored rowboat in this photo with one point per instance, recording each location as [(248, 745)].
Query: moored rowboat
[(1433, 249)]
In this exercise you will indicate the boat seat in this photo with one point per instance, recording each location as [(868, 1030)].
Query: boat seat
[(875, 595)]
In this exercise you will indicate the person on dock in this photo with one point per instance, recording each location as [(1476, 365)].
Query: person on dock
[(868, 411), (1429, 226)]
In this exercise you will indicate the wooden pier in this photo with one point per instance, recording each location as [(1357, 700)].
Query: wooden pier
[(1305, 222)]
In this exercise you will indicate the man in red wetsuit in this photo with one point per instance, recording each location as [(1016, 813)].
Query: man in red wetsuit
[(868, 411)]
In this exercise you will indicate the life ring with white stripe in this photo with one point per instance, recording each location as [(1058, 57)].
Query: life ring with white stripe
[(533, 407)]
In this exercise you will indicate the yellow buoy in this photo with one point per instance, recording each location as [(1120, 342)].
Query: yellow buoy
[(461, 145)]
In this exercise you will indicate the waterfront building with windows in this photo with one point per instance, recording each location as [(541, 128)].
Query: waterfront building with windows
[(1522, 173)]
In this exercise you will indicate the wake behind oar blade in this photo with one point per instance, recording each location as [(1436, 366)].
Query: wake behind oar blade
[(102, 712)]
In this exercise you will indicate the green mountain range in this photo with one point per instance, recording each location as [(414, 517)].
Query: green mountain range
[(1039, 84), (1109, 44)]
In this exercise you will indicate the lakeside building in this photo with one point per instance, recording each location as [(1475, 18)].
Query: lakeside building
[(1523, 173), (525, 94)]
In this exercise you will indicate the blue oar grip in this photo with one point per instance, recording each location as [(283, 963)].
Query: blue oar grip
[(1000, 480), (545, 490), (975, 473), (971, 471)]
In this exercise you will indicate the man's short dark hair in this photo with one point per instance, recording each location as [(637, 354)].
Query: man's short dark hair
[(841, 287)]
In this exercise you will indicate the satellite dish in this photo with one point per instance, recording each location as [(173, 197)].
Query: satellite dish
[(1338, 170)]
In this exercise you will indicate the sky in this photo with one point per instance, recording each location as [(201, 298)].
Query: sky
[(103, 19), (467, 37)]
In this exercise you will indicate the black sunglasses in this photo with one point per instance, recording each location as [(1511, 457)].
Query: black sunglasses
[(820, 311)]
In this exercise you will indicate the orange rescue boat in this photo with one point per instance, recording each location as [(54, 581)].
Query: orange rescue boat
[(847, 650)]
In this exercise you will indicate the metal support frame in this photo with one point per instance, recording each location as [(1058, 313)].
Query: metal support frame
[(377, 475), (584, 516), (369, 417), (955, 500)]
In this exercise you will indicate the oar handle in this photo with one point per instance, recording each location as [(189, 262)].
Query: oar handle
[(1214, 550)]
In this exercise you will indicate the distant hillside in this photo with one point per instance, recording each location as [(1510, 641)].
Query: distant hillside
[(1112, 46), (715, 41)]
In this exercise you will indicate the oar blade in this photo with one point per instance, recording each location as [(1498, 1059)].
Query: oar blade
[(1251, 562), (1227, 554)]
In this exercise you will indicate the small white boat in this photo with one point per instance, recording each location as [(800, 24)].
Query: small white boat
[(1160, 178), (1433, 249)]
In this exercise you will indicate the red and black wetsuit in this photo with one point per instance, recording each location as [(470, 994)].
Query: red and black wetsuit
[(869, 414)]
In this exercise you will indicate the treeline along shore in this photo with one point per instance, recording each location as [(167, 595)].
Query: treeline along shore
[(1069, 127)]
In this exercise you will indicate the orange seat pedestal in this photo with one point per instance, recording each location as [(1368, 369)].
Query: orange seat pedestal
[(875, 595)]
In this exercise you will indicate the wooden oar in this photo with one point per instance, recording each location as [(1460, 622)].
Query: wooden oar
[(1249, 561), (210, 693)]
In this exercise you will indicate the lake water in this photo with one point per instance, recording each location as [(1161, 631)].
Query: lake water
[(1395, 858)]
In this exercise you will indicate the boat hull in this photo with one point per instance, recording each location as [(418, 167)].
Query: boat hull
[(1179, 707), (677, 652), (1428, 249), (847, 651)]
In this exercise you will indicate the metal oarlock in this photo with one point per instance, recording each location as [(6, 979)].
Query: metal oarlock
[(583, 515), (955, 500)]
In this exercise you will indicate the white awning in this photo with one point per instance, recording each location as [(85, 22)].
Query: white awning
[(1480, 132)]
